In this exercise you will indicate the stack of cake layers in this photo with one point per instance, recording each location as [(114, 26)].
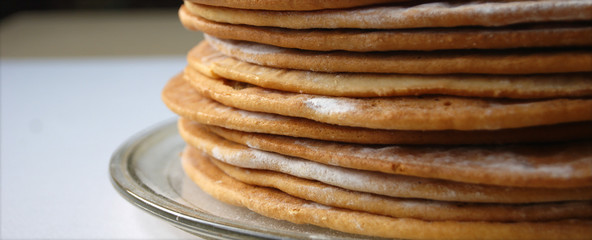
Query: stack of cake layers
[(399, 119)]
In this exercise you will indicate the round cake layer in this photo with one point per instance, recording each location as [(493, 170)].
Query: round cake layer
[(292, 5), (412, 14), (573, 34), (510, 61), (405, 208), (182, 99), (525, 165), (378, 183), (396, 113), (208, 61), (278, 205)]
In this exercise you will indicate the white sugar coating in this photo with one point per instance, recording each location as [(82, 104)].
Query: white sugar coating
[(311, 170), (364, 181), (433, 14), (357, 224), (464, 157), (258, 115), (249, 51), (492, 9), (251, 144), (400, 16), (374, 182), (316, 206), (244, 47), (332, 80), (217, 153), (555, 171), (325, 105), (312, 76)]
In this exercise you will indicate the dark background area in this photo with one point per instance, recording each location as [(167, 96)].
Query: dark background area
[(92, 28), (9, 7)]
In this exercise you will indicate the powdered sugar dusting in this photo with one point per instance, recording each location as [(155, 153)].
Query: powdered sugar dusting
[(244, 47), (366, 181), (444, 14), (310, 170), (325, 105), (493, 160), (252, 144), (316, 206), (431, 14), (258, 115), (217, 153), (554, 171), (385, 184)]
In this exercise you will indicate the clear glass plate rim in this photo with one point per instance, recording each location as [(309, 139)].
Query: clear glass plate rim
[(203, 224)]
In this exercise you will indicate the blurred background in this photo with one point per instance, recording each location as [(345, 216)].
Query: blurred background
[(49, 28), (77, 79), (12, 6)]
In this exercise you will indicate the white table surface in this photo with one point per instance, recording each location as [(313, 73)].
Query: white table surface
[(61, 118)]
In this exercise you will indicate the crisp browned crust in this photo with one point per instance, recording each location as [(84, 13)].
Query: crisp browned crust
[(275, 204), (182, 99), (514, 61)]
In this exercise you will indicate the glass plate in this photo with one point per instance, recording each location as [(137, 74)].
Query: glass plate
[(146, 170)]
